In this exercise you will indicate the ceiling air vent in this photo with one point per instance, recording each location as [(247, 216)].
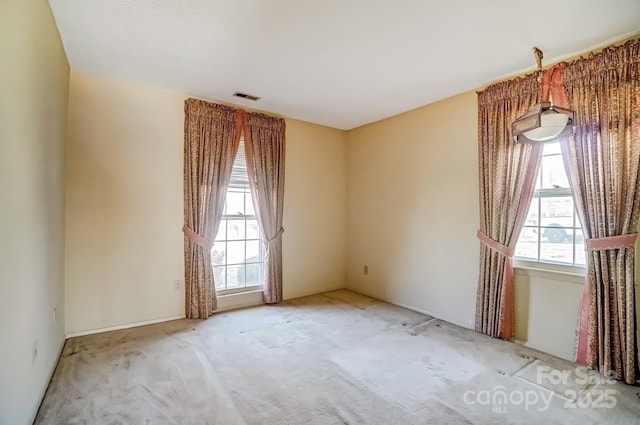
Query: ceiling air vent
[(246, 96)]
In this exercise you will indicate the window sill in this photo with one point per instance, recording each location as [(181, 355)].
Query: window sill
[(550, 271), (246, 298), (224, 292)]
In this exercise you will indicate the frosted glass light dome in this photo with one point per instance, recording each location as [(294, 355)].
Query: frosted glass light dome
[(551, 125), (543, 122)]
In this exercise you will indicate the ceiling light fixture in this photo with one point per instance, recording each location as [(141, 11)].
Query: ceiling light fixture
[(543, 122)]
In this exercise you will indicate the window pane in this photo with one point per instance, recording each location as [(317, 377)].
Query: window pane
[(253, 252), (235, 277), (253, 274), (218, 254), (557, 245), (235, 229), (235, 252), (249, 210), (532, 215), (556, 253), (557, 211), (581, 259), (551, 148), (527, 246), (218, 277), (222, 231), (551, 231), (253, 231), (235, 203), (557, 234), (553, 172)]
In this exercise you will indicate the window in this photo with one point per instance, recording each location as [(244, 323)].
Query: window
[(238, 253), (552, 231)]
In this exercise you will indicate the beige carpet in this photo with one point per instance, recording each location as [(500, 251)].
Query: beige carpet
[(335, 358)]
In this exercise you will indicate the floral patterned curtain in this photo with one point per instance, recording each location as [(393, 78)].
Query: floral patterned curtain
[(265, 148), (507, 178), (211, 140), (602, 161)]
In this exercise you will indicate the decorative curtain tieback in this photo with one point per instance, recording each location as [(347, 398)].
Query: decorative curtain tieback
[(495, 245), (276, 236), (196, 238), (612, 242)]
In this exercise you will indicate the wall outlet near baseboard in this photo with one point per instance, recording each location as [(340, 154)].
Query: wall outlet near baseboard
[(177, 285)]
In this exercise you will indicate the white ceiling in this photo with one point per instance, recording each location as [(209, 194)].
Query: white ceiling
[(341, 63)]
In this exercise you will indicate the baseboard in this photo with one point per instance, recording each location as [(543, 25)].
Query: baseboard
[(418, 310), (125, 326), (43, 392), (225, 303), (315, 292)]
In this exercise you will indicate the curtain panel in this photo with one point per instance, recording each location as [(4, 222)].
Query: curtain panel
[(265, 149), (507, 180), (211, 140), (602, 161)]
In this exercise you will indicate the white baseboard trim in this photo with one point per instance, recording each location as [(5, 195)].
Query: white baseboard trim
[(125, 326), (428, 313), (225, 303), (417, 310), (318, 291), (43, 392)]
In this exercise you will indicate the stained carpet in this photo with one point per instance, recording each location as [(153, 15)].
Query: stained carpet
[(334, 358)]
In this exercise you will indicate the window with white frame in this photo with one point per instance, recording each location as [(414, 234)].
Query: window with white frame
[(552, 231), (238, 252)]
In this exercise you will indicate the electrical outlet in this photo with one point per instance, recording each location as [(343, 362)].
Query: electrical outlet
[(34, 353), (365, 269), (55, 311), (177, 284)]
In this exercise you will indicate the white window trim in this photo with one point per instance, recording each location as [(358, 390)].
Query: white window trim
[(551, 271), (239, 300), (240, 183), (548, 267), (232, 291)]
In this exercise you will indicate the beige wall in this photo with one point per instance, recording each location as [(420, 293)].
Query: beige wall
[(413, 216), (124, 204), (315, 210), (413, 209), (34, 78), (547, 305), (125, 208)]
